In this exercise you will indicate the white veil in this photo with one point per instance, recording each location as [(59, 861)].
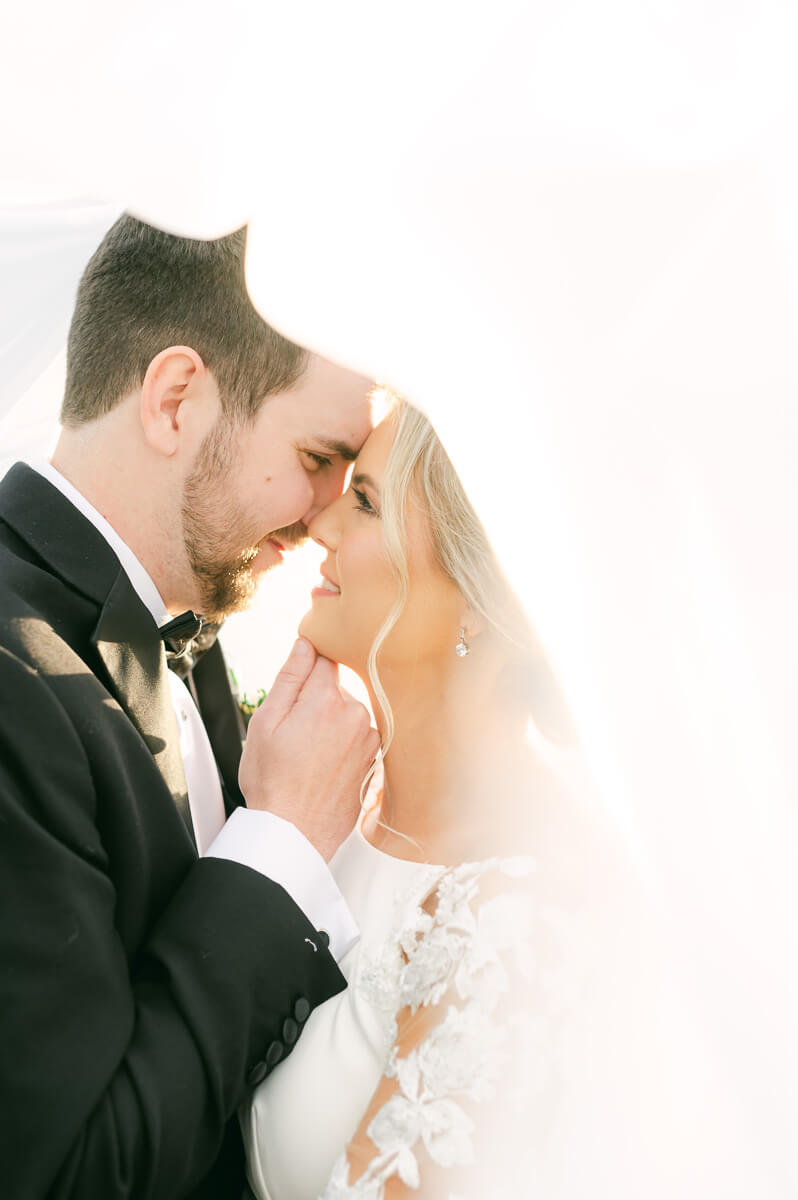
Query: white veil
[(569, 233)]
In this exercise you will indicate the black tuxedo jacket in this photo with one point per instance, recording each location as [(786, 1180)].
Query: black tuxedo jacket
[(140, 987)]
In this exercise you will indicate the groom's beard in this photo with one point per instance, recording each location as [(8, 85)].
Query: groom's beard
[(218, 533)]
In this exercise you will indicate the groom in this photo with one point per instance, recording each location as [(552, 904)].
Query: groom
[(161, 943)]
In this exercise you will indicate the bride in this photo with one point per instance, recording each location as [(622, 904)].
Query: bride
[(387, 1088)]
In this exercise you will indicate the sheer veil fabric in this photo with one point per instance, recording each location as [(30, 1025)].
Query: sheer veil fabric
[(43, 250), (569, 234)]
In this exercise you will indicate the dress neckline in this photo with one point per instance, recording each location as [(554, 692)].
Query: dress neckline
[(394, 858)]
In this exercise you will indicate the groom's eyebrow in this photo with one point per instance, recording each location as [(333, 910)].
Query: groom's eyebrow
[(348, 453)]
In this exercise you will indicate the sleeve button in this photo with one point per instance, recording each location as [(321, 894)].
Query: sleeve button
[(302, 1009), (274, 1053), (324, 939), (257, 1074), (290, 1031)]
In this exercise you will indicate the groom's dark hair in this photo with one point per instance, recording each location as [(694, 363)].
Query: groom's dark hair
[(144, 290)]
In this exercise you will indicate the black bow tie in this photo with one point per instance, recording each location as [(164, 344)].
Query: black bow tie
[(177, 635), (186, 639)]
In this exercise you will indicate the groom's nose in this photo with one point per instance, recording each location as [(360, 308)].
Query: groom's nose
[(325, 526), (328, 485)]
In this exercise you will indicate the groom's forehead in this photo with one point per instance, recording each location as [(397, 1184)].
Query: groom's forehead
[(332, 406), (333, 391), (334, 430)]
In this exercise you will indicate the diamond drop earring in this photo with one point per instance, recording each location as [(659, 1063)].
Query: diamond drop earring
[(462, 648)]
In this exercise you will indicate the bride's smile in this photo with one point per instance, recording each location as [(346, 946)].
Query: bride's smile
[(327, 587)]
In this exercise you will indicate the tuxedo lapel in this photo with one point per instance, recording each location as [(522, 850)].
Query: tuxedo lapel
[(125, 636), (129, 645)]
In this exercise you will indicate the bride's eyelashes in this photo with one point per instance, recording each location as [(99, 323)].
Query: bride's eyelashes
[(363, 503)]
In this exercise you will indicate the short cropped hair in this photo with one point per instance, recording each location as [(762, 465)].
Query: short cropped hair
[(144, 290)]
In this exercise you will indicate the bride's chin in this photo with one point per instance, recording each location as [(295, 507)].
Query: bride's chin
[(305, 630), (331, 649), (319, 643)]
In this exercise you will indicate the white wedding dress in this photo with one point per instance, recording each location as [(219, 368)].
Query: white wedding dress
[(455, 956)]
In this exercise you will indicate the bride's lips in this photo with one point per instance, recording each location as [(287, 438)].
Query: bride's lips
[(330, 588)]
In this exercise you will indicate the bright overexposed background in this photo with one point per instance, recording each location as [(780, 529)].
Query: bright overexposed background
[(570, 232)]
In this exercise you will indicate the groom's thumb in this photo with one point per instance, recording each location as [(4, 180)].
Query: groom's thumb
[(288, 684)]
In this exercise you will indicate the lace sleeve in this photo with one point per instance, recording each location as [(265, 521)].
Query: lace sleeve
[(455, 1033)]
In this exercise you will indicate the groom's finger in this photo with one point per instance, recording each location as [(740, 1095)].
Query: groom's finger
[(321, 681), (288, 684)]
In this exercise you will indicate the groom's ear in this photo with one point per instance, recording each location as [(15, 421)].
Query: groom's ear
[(174, 384)]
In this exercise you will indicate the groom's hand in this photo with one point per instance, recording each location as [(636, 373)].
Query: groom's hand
[(308, 749)]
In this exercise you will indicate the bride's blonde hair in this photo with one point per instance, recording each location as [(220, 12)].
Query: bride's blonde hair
[(420, 471)]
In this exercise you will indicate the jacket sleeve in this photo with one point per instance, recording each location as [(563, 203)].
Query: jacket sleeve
[(118, 1077)]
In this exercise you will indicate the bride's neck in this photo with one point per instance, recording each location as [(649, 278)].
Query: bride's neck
[(453, 742)]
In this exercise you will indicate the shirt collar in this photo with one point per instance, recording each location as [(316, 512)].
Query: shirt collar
[(141, 582)]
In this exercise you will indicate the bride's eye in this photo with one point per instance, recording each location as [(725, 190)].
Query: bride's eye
[(363, 502)]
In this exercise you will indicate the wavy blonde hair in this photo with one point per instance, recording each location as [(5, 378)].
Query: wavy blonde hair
[(419, 470)]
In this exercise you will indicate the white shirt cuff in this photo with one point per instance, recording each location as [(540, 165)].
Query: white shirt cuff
[(276, 848)]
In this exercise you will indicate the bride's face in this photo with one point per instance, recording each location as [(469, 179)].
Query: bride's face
[(360, 584)]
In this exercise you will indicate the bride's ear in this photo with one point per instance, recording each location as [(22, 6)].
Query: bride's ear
[(472, 623)]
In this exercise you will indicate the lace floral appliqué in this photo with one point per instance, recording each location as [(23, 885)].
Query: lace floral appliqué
[(464, 951)]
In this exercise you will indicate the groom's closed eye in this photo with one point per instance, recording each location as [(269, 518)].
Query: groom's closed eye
[(318, 462), (328, 449)]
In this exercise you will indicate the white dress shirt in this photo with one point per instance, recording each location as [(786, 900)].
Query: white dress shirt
[(259, 840)]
